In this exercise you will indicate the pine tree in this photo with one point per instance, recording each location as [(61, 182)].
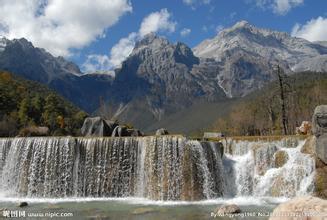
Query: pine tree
[(52, 110)]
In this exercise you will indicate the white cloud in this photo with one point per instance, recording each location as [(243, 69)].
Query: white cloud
[(95, 62), (157, 21), (313, 30), (59, 25), (185, 32), (194, 3), (280, 7), (160, 21), (283, 6), (122, 49)]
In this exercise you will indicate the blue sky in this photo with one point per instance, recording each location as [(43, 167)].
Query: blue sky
[(85, 33)]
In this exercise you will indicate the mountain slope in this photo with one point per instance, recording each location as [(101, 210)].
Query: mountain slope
[(158, 78), (28, 103), (259, 113), (19, 56), (247, 56)]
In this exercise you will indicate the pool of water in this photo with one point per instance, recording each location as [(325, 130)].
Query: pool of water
[(137, 208)]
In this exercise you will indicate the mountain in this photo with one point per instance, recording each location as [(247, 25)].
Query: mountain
[(247, 56), (161, 82), (161, 75), (19, 56)]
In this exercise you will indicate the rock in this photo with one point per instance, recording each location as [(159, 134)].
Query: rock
[(309, 145), (135, 133), (299, 206), (210, 135), (263, 157), (320, 182), (34, 131), (120, 131), (228, 209), (97, 127), (304, 129), (319, 129), (281, 158), (22, 204), (162, 131), (143, 210)]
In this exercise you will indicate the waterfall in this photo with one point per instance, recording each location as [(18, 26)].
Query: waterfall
[(256, 169), (160, 168), (157, 167)]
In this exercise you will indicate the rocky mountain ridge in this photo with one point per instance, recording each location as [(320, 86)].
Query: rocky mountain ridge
[(247, 56), (160, 78)]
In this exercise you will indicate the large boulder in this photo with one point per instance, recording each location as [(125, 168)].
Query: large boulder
[(120, 131), (22, 204), (319, 129), (162, 131), (304, 129), (97, 127), (228, 209), (320, 178), (135, 133), (306, 208)]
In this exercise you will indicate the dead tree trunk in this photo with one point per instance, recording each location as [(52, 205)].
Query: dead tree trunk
[(283, 100)]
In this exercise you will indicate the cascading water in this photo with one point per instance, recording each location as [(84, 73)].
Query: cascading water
[(159, 168), (256, 172)]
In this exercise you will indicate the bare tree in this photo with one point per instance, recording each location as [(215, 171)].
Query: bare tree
[(282, 92)]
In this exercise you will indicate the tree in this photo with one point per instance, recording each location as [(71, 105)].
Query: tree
[(24, 110), (52, 110), (37, 108), (282, 89)]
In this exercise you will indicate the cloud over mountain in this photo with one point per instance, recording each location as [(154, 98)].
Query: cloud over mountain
[(313, 30), (160, 21), (59, 25)]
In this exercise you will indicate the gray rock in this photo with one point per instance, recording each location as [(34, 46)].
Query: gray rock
[(208, 135), (301, 205), (22, 204), (228, 209), (120, 131), (135, 133), (97, 127), (123, 131), (162, 131), (319, 129)]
